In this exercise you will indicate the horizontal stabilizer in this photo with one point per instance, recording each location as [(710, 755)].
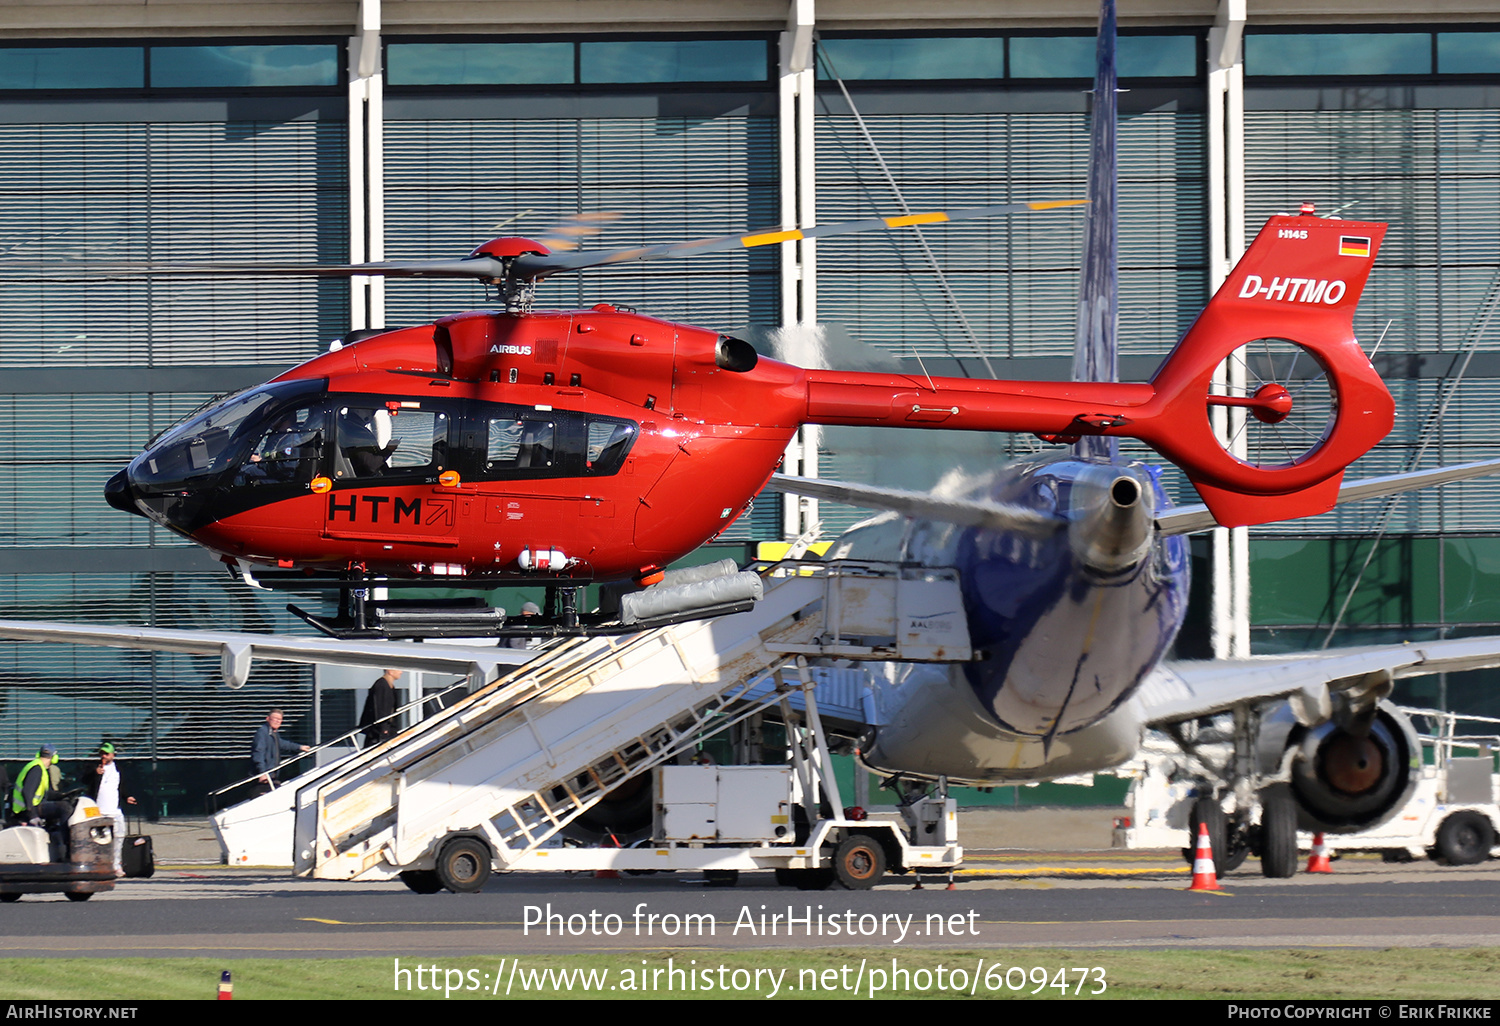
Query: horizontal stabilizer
[(235, 651), (964, 512), (1195, 518)]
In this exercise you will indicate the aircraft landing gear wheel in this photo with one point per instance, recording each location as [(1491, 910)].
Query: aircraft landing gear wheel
[(1209, 812), (463, 865), (8, 898), (1278, 833), (721, 877), (422, 881), (1465, 838), (858, 862), (80, 895)]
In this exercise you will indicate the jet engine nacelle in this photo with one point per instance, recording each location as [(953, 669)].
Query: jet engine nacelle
[(1344, 780)]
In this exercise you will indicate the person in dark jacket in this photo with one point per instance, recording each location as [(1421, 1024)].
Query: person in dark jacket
[(378, 721), (268, 748)]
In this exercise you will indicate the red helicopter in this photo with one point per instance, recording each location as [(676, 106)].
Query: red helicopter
[(565, 447)]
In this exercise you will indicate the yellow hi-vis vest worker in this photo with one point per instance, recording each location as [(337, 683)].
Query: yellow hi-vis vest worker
[(18, 802)]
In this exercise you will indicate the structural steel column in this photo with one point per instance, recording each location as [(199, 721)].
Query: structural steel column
[(1230, 612), (798, 184), (366, 167)]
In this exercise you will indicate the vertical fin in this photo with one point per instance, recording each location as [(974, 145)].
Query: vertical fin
[(1095, 352)]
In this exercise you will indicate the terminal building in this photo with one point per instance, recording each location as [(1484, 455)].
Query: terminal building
[(361, 130)]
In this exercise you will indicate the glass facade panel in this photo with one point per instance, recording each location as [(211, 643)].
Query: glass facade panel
[(674, 60), (1304, 581), (1158, 56), (181, 67), (1338, 53), (72, 67), (478, 63), (920, 58), (1052, 57), (1468, 53)]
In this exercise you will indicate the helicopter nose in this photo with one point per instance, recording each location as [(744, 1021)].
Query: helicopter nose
[(120, 494)]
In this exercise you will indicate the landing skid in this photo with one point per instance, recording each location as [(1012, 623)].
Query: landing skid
[(366, 609), (400, 622)]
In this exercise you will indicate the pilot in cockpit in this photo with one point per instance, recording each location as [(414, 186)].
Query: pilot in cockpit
[(286, 450)]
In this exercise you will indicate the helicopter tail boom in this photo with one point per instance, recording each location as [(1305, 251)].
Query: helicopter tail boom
[(1263, 402)]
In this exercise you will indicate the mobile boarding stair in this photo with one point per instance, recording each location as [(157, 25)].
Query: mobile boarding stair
[(488, 782)]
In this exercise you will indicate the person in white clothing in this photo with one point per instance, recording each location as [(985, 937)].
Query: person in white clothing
[(104, 788)]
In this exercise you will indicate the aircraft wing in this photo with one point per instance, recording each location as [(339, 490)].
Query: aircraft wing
[(1195, 518), (997, 516), (1185, 690), (1000, 516), (481, 664)]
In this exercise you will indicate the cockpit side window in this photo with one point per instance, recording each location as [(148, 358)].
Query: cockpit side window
[(288, 451)]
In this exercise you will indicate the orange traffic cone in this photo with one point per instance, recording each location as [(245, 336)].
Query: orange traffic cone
[(1204, 877), (1318, 861), (609, 874)]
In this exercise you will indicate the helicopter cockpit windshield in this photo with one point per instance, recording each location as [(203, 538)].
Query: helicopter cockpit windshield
[(213, 440)]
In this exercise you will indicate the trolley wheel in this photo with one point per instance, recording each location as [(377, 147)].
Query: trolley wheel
[(858, 862), (10, 896), (1465, 838), (463, 865), (422, 881), (805, 879), (78, 895)]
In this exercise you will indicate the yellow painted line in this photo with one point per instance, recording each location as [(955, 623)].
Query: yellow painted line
[(767, 238), (404, 922), (1054, 204), (909, 219), (1069, 871)]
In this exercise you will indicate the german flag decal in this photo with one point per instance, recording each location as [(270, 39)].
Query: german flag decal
[(1354, 245)]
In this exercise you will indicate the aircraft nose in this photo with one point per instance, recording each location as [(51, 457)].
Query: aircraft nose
[(120, 494)]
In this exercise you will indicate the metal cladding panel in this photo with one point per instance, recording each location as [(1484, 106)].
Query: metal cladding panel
[(453, 184), (57, 452), (1435, 175), (152, 704), (1016, 279), (126, 192)]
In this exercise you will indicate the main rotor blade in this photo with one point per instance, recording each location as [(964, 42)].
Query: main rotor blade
[(467, 267), (527, 267), (537, 266)]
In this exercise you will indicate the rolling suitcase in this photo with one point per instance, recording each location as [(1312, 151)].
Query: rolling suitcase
[(136, 856)]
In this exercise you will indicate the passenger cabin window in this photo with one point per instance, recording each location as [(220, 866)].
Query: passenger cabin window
[(518, 442), (609, 441), (397, 441)]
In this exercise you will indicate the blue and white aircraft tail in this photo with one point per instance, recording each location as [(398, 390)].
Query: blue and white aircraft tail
[(1071, 625)]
